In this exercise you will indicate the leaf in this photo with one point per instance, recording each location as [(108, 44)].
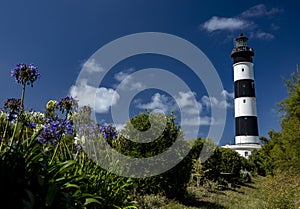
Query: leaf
[(91, 200), (69, 185), (29, 204), (51, 193)]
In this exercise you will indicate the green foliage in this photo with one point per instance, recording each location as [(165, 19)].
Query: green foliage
[(225, 161), (286, 153), (281, 151), (198, 173), (35, 175), (262, 158), (162, 132), (280, 191), (40, 164), (151, 201), (290, 107)]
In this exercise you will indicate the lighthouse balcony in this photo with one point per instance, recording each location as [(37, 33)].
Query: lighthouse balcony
[(237, 52), (242, 48)]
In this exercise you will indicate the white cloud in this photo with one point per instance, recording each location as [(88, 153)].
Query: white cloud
[(119, 126), (120, 76), (273, 26), (225, 23), (100, 99), (198, 121), (127, 81), (227, 95), (210, 102), (188, 106), (260, 10), (262, 35), (225, 102), (208, 121), (187, 103), (244, 22), (191, 110), (90, 66), (158, 102)]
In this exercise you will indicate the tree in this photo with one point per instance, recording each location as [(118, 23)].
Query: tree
[(158, 132), (225, 161), (261, 159), (286, 152), (282, 151)]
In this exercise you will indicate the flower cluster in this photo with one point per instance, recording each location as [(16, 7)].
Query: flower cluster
[(78, 142), (34, 120), (13, 106), (87, 134), (25, 74), (51, 105), (87, 130), (67, 104), (54, 128), (108, 132)]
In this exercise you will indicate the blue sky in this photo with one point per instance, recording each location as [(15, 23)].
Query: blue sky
[(60, 36)]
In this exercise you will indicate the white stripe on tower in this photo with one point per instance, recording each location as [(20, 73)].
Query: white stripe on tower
[(245, 113)]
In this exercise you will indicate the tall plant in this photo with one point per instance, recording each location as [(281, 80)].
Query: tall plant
[(41, 163)]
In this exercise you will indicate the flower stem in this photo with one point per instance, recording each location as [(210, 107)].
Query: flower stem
[(22, 98), (55, 151), (4, 134), (13, 136), (1, 145), (21, 112)]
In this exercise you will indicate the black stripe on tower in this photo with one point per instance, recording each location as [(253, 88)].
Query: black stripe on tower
[(242, 56), (246, 125), (244, 88)]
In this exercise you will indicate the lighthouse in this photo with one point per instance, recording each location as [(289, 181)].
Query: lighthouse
[(245, 111)]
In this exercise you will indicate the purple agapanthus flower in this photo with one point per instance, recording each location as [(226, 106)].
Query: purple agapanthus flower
[(67, 104), (31, 125), (54, 128), (78, 147), (108, 132), (13, 107), (25, 74)]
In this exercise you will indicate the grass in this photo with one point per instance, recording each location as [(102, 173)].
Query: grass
[(245, 196)]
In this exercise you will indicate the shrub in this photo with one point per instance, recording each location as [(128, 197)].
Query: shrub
[(173, 182), (280, 191), (151, 201), (225, 166)]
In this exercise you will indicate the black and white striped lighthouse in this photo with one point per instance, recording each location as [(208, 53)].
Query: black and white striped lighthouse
[(245, 113)]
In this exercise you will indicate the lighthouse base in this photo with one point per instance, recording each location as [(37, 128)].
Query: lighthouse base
[(244, 150)]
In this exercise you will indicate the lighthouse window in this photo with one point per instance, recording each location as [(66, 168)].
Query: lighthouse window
[(242, 69), (244, 100)]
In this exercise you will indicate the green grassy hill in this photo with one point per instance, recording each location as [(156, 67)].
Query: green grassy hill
[(253, 195)]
